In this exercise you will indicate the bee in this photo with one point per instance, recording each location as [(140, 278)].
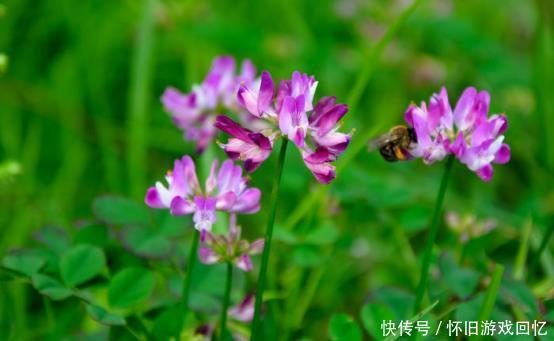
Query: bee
[(395, 145)]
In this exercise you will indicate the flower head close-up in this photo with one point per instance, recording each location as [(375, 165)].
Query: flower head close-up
[(290, 114), (466, 131), (229, 247), (225, 190)]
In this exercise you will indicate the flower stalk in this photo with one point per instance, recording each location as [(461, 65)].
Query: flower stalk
[(188, 281), (226, 299), (428, 252), (267, 244)]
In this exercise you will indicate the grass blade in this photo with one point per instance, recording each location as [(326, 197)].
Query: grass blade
[(141, 79)]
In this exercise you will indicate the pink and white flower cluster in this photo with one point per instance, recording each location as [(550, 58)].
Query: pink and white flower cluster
[(225, 190), (290, 111), (220, 248), (467, 132), (195, 112)]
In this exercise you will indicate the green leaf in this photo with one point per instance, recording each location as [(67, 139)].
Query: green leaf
[(81, 263), (7, 275), (23, 261), (399, 301), (54, 238), (469, 310), (101, 315), (50, 287), (460, 280), (92, 234), (146, 243), (342, 327), (415, 318), (173, 226), (166, 324), (373, 315), (518, 294), (119, 211), (130, 287)]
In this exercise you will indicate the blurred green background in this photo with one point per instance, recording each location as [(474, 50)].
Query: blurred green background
[(80, 116)]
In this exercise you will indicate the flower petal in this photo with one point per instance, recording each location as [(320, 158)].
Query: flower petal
[(204, 214), (267, 89), (244, 263), (226, 201), (208, 256), (485, 172), (502, 155), (257, 247), (464, 107), (180, 206), (153, 199), (248, 202)]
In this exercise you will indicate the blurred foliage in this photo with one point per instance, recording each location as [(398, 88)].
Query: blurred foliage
[(80, 117)]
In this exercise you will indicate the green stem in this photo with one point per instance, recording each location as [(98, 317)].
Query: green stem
[(188, 281), (521, 258), (426, 262), (492, 292), (226, 300), (463, 252), (139, 88), (268, 236), (49, 314)]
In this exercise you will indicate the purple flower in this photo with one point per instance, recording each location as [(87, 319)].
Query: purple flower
[(195, 112), (324, 125), (225, 191), (467, 225), (219, 248), (298, 85), (467, 132), (244, 311), (431, 140), (245, 145), (293, 120), (319, 163), (314, 130), (257, 100)]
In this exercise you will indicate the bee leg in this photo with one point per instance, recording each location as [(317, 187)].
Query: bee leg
[(399, 153)]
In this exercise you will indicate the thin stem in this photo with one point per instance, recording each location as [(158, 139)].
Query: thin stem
[(226, 300), (492, 293), (426, 262), (188, 281), (49, 314), (521, 258), (139, 88), (268, 236)]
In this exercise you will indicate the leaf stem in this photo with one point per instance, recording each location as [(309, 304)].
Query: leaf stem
[(268, 235), (226, 300), (428, 252), (188, 281)]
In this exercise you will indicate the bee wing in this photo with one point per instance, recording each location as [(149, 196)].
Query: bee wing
[(378, 142)]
